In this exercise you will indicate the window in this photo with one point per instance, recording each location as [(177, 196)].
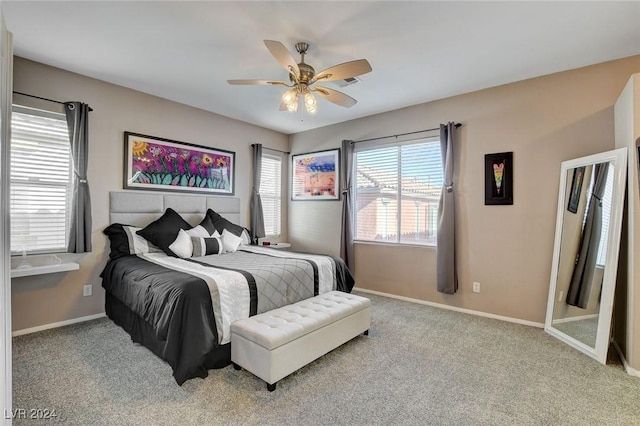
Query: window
[(270, 193), (41, 181), (397, 192)]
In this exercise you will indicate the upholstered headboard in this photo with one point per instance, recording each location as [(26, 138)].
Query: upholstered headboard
[(139, 208)]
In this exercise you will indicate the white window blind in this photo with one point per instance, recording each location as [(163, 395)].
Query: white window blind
[(397, 192), (40, 181), (270, 193), (607, 199)]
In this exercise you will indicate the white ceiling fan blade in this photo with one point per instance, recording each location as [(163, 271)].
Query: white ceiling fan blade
[(334, 96), (272, 82), (283, 57), (342, 71)]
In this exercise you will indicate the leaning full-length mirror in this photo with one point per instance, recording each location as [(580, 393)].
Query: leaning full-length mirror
[(585, 255)]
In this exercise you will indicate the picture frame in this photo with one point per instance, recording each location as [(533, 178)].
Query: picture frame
[(498, 178), (576, 189), (315, 176), (159, 164)]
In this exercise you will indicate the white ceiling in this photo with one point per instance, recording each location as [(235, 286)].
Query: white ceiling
[(420, 51)]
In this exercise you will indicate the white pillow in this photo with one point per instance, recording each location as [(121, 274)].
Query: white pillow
[(198, 231), (246, 239), (230, 242), (182, 245), (201, 231)]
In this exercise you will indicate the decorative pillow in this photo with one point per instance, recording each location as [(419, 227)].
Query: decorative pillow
[(164, 231), (182, 246), (246, 239), (206, 246), (230, 242), (220, 224), (199, 231), (208, 221), (118, 241), (124, 241)]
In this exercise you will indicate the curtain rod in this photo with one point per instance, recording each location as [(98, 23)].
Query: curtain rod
[(272, 149), (44, 99), (402, 134)]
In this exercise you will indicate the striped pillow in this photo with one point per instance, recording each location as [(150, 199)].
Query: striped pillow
[(137, 244), (205, 246)]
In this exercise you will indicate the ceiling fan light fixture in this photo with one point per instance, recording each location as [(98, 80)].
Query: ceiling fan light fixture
[(310, 103), (292, 106), (290, 96)]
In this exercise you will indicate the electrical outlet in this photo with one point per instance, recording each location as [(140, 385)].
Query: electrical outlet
[(560, 296), (88, 290), (476, 287)]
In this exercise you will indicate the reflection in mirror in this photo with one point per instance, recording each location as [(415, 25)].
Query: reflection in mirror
[(586, 251)]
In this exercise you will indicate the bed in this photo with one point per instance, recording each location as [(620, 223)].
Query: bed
[(181, 308)]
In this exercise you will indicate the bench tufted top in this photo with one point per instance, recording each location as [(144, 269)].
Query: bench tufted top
[(280, 326)]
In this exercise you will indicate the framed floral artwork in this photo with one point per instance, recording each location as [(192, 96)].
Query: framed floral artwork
[(167, 165), (315, 176)]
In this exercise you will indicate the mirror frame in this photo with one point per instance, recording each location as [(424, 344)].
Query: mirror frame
[(618, 157)]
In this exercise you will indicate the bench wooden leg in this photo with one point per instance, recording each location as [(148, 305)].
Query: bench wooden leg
[(236, 366), (366, 333), (271, 387)]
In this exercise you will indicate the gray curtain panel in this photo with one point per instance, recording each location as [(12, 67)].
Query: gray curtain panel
[(255, 210), (446, 251), (346, 240), (80, 231), (585, 267)]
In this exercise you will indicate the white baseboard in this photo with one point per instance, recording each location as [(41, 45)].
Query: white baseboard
[(453, 308), (630, 371), (56, 325)]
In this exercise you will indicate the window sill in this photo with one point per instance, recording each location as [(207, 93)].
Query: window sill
[(44, 269), (387, 244)]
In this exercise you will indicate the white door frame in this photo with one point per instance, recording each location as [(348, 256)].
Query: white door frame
[(6, 95)]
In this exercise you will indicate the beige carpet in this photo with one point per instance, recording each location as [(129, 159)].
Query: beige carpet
[(419, 365)]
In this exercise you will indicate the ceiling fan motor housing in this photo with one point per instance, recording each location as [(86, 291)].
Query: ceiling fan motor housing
[(306, 73)]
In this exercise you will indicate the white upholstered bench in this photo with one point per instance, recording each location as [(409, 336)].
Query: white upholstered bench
[(276, 343)]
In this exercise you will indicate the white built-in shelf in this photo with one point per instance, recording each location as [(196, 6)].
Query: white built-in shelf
[(44, 269)]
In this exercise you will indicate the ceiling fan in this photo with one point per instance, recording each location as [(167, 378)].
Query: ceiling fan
[(303, 78)]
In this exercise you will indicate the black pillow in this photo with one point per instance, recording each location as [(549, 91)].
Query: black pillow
[(207, 222), (118, 240), (163, 232), (220, 224)]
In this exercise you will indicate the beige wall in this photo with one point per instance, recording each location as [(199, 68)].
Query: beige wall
[(508, 249), (58, 297)]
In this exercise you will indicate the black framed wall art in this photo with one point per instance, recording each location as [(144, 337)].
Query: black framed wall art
[(576, 189), (167, 165), (498, 179)]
